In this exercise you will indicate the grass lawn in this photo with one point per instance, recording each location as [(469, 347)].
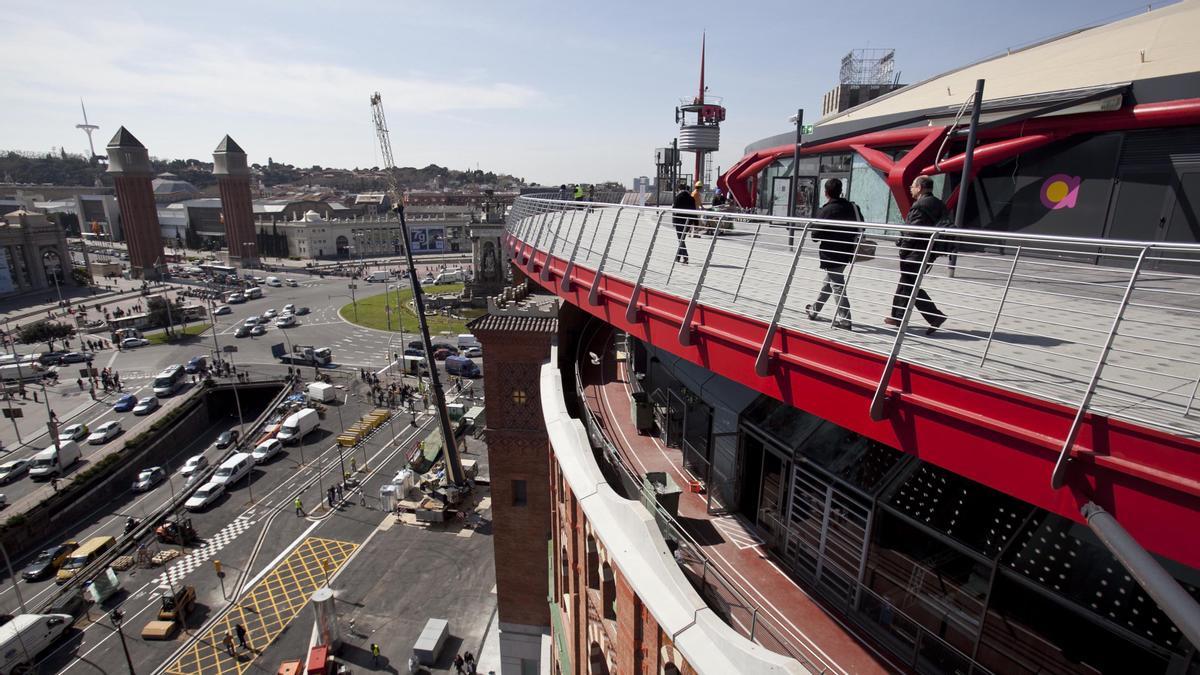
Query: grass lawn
[(193, 329), (372, 313)]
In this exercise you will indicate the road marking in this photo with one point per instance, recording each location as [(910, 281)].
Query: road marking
[(287, 589)]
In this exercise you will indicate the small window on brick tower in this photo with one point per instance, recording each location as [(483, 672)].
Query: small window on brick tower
[(518, 493), (519, 397)]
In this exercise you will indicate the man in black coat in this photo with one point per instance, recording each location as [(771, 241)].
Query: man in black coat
[(683, 202), (836, 246), (926, 210)]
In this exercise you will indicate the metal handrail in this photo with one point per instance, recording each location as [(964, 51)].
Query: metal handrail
[(1031, 313)]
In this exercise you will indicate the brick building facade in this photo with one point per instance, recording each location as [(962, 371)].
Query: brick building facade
[(129, 164)]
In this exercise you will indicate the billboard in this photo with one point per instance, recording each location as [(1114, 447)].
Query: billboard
[(428, 239)]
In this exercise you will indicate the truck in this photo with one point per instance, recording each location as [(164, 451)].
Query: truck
[(54, 462), (26, 636), (298, 425), (303, 355), (378, 276), (20, 372), (461, 366), (449, 278), (416, 365)]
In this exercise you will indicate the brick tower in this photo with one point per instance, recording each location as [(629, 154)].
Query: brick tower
[(129, 164), (517, 342), (233, 178)]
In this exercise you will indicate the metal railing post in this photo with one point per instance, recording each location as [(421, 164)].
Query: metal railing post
[(762, 365), (685, 327), (753, 623), (999, 309), (631, 311), (594, 293), (885, 377), (592, 241), (566, 280), (746, 265), (1060, 467), (544, 275), (629, 242), (531, 244)]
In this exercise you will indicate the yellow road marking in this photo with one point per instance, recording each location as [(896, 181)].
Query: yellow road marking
[(288, 587)]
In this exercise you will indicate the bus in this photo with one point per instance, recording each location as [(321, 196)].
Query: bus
[(169, 381)]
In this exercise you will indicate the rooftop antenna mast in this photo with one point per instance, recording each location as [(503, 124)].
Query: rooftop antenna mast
[(88, 129), (454, 469)]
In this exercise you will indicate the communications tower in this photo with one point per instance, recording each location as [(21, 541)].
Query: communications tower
[(699, 121), (88, 128)]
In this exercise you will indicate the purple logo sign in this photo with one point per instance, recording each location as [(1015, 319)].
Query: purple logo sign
[(1060, 191)]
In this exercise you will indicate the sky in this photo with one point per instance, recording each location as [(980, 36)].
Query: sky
[(552, 92)]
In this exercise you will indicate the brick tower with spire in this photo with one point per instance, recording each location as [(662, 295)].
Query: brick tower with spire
[(233, 179), (129, 164)]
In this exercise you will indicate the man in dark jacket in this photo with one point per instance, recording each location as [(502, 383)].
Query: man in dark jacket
[(926, 210), (683, 202), (836, 248)]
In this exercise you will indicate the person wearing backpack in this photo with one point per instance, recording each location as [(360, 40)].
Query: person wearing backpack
[(926, 210), (836, 245)]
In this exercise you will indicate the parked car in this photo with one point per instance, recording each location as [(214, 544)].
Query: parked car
[(73, 432), (78, 357), (266, 450), (292, 283), (194, 464), (222, 309), (48, 561), (271, 313), (203, 497), (105, 433), (441, 354), (285, 321), (227, 438), (196, 364), (134, 342), (51, 358), (472, 351), (10, 471), (289, 309), (125, 403), (301, 311), (146, 405), (260, 329), (251, 321), (148, 478), (241, 332)]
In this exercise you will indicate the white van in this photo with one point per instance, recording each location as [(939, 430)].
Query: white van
[(169, 381), (467, 340), (297, 426), (449, 278), (233, 469), (26, 636), (53, 461), (274, 281)]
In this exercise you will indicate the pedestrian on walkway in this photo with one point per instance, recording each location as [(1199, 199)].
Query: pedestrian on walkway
[(329, 496), (458, 664), (241, 635), (469, 661), (836, 245), (227, 641), (374, 655), (299, 507), (683, 202), (926, 210)]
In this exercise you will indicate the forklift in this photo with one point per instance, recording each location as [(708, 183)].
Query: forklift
[(176, 530)]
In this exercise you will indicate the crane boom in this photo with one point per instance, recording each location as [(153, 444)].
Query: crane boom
[(454, 468)]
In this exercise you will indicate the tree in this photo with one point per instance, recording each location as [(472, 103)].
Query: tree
[(159, 315), (44, 331)]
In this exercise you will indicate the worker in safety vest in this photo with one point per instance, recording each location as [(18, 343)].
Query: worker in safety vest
[(578, 195)]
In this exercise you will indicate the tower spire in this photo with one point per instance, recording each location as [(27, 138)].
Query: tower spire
[(700, 98)]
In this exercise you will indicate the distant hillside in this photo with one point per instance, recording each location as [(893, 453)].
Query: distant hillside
[(67, 169)]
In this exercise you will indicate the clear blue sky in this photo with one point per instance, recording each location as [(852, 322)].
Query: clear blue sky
[(550, 91)]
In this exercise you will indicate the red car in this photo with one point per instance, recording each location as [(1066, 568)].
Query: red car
[(441, 354)]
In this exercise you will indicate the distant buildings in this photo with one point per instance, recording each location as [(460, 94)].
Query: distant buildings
[(33, 253)]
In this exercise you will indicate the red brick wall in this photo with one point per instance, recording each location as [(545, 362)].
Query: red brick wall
[(518, 449), (238, 213)]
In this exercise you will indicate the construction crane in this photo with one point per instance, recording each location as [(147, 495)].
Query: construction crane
[(454, 471)]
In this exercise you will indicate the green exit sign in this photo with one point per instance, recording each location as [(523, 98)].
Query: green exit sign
[(806, 129)]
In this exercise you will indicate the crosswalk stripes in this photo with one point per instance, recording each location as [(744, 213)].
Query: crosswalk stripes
[(736, 532)]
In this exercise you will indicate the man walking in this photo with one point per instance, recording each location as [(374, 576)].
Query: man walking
[(241, 635), (374, 655), (227, 641), (683, 202), (299, 507), (836, 248), (926, 210)]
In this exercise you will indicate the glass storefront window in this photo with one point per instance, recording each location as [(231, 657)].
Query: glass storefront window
[(840, 163), (870, 191)]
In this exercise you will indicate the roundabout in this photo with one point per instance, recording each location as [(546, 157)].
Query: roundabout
[(379, 311)]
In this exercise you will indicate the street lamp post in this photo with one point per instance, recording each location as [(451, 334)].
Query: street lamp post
[(116, 616), (342, 424)]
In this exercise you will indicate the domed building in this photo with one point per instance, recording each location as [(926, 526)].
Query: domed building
[(168, 188)]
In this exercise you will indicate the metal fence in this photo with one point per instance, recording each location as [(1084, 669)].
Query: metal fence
[(1099, 325)]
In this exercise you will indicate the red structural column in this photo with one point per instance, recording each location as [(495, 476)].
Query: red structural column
[(129, 164), (237, 210)]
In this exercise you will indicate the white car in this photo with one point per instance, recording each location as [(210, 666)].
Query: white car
[(292, 282), (472, 351), (270, 313), (73, 432), (204, 496), (222, 309), (285, 321), (134, 342), (194, 465), (251, 321), (266, 450), (289, 309), (105, 433), (145, 405)]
